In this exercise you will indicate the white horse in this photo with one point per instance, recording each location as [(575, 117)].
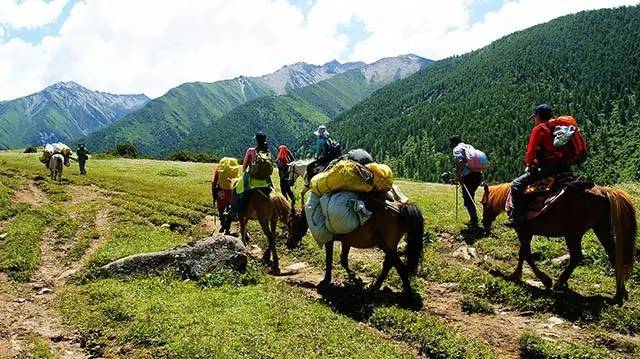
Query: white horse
[(298, 169), (56, 163)]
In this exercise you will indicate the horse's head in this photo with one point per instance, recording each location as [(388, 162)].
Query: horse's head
[(298, 227), (493, 203)]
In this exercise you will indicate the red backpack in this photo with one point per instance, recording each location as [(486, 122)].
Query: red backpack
[(575, 151)]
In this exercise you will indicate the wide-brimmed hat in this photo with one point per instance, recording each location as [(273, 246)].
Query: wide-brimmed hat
[(322, 130)]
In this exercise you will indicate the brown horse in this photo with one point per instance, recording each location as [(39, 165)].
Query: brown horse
[(384, 230), (611, 216), (267, 208)]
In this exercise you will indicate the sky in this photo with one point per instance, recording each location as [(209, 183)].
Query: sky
[(151, 46)]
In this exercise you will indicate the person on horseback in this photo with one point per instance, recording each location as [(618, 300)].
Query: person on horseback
[(468, 179), (282, 162), (252, 156), (326, 150), (542, 160)]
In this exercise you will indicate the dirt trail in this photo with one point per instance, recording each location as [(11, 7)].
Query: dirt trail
[(30, 309), (501, 331), (31, 195)]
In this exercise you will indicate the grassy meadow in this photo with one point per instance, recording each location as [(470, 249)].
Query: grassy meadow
[(153, 205)]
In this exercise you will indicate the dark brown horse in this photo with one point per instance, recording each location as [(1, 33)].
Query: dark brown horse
[(267, 208), (610, 215), (384, 230)]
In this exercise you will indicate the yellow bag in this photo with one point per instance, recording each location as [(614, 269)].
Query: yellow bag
[(343, 176), (228, 169), (382, 177)]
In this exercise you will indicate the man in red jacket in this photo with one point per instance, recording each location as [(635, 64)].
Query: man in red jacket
[(542, 160)]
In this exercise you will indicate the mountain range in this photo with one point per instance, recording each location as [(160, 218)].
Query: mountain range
[(208, 116), (61, 112)]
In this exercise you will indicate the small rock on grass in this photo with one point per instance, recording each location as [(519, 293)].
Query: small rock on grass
[(295, 268), (44, 290), (3, 236)]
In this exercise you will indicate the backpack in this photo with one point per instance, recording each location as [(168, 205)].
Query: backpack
[(331, 149), (263, 167), (477, 160), (568, 139), (228, 169)]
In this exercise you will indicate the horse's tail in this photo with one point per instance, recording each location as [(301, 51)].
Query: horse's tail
[(624, 225), (413, 223)]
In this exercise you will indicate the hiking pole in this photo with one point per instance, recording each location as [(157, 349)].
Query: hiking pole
[(470, 196), (456, 202)]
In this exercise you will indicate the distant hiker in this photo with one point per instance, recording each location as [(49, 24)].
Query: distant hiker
[(469, 166), (283, 159), (542, 160), (82, 158), (257, 169), (326, 150)]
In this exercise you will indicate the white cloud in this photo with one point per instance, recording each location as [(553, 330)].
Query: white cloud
[(149, 46), (30, 13)]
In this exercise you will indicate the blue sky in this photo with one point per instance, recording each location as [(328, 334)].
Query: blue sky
[(151, 46)]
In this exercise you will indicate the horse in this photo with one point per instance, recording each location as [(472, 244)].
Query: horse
[(610, 216), (267, 209), (56, 163), (385, 229), (298, 169)]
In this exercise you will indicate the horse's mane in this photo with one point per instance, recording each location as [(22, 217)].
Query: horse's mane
[(282, 204), (498, 197)]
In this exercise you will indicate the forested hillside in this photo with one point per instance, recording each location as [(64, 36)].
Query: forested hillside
[(587, 65), (283, 119), (290, 119), (165, 121)]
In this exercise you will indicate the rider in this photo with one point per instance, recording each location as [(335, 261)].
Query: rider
[(284, 158), (469, 180), (239, 200), (542, 160), (321, 157)]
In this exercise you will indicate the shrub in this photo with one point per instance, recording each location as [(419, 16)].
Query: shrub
[(623, 320), (470, 304), (189, 156), (31, 149), (534, 346), (126, 150)]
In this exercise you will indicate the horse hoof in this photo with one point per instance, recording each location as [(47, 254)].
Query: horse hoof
[(547, 282), (274, 271), (324, 283), (515, 277)]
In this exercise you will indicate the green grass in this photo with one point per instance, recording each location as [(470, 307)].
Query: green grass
[(166, 317), (535, 347), (41, 349), (19, 251), (435, 339)]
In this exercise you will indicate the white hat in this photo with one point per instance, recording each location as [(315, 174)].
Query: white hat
[(322, 131)]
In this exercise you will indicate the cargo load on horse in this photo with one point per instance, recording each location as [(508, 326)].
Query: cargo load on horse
[(346, 175), (568, 139), (51, 149)]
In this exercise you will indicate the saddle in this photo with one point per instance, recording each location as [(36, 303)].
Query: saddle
[(543, 194)]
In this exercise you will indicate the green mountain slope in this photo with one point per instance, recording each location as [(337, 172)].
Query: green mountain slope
[(587, 64), (290, 119), (282, 118), (165, 121), (61, 112)]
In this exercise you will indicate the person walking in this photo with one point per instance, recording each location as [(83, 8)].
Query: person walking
[(83, 156), (283, 159), (468, 178)]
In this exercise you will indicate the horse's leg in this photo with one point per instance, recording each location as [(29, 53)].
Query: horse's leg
[(386, 267), (603, 231), (272, 242), (243, 229), (344, 260), (525, 246), (525, 250), (403, 272), (328, 248), (574, 243)]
